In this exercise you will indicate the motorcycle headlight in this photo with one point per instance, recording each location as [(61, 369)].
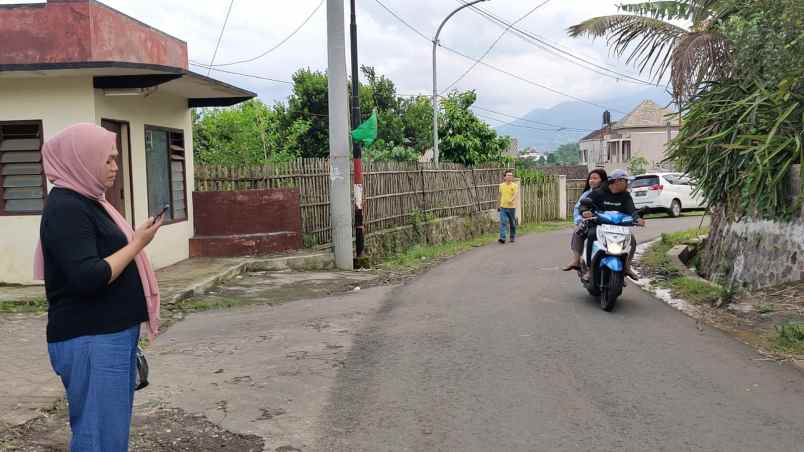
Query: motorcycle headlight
[(615, 244)]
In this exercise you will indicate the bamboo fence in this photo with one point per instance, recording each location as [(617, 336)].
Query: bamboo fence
[(395, 193), (574, 191)]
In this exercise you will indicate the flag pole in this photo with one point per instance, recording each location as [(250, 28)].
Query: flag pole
[(357, 151)]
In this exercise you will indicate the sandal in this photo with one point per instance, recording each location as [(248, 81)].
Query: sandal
[(570, 268)]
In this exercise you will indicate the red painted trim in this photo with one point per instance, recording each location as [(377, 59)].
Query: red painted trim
[(358, 171)]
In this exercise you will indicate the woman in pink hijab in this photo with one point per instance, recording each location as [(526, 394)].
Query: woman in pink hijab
[(100, 287)]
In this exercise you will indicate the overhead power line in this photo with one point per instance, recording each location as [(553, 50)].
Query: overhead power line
[(404, 22), (278, 45), (531, 82), (491, 47), (554, 50), (520, 126), (220, 36), (523, 119), (260, 77), (494, 68)]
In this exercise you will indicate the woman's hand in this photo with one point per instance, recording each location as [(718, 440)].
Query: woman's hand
[(146, 232)]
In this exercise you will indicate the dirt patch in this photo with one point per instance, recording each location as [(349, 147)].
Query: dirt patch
[(153, 430), (759, 317), (770, 320)]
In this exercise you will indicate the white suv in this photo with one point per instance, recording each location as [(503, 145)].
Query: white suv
[(667, 192)]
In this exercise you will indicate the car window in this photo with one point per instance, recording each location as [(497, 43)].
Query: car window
[(645, 181), (671, 178)]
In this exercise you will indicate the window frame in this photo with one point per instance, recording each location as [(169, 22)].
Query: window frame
[(169, 130), (3, 212), (626, 156)]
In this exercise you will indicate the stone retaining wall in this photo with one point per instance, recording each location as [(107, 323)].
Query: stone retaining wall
[(387, 243), (752, 253)]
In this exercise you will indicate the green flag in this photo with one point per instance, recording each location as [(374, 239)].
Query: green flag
[(366, 133)]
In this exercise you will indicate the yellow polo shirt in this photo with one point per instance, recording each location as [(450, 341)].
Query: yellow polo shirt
[(508, 194)]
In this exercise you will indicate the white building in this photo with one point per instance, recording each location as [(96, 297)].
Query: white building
[(645, 132), (95, 64)]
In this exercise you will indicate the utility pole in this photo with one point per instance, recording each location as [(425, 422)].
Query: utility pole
[(435, 77), (339, 174), (357, 151)]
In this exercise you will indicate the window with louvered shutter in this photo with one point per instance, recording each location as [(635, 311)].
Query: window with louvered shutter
[(166, 169), (22, 180)]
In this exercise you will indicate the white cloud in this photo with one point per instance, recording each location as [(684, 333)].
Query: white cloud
[(256, 25)]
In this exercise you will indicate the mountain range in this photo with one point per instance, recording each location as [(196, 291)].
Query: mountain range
[(575, 115)]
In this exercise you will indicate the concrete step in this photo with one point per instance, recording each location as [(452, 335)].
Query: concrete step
[(244, 245)]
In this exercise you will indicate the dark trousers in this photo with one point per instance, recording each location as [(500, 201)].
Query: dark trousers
[(507, 221)]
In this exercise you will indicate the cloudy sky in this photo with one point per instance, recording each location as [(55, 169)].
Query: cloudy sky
[(394, 50)]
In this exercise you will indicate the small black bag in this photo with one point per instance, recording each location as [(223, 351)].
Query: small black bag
[(142, 370)]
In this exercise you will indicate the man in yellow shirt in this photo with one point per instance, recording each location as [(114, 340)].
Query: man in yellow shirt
[(509, 193)]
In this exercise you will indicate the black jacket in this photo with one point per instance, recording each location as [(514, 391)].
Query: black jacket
[(604, 200), (77, 234)]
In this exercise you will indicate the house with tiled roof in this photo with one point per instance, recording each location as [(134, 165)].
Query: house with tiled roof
[(644, 132), (68, 61)]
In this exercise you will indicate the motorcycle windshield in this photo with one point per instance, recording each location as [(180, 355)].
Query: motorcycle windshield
[(614, 217)]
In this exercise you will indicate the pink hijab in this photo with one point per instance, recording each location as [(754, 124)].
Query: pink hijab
[(75, 159)]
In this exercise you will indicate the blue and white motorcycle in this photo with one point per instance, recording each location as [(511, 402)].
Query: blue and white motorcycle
[(606, 256)]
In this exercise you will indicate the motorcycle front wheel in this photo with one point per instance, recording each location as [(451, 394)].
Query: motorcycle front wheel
[(612, 288)]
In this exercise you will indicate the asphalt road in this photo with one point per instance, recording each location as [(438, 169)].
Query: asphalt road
[(497, 350)]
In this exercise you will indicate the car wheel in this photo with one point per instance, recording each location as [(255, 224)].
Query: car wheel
[(675, 208)]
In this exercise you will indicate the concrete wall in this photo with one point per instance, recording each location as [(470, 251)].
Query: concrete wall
[(650, 143), (392, 241), (755, 253), (249, 222), (58, 103), (61, 102), (592, 148)]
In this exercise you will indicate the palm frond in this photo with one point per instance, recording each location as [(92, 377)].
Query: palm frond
[(694, 10), (699, 57), (663, 10), (649, 41)]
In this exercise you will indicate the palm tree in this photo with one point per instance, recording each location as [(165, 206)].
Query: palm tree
[(693, 56)]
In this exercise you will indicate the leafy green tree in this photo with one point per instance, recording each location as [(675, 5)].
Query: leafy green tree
[(381, 150), (740, 136), (638, 165), (417, 120), (566, 154), (248, 133), (463, 137), (309, 102)]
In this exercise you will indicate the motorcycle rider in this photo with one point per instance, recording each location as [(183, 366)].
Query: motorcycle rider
[(614, 196)]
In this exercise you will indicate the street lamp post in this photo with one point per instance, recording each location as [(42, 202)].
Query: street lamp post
[(435, 78)]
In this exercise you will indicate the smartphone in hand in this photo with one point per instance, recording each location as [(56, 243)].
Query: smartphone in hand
[(160, 214)]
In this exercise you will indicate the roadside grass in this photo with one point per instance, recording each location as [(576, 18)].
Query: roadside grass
[(696, 291), (420, 255), (35, 306), (656, 263), (655, 259), (790, 338)]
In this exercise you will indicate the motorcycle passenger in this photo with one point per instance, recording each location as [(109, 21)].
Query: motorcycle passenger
[(594, 180), (614, 196)]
